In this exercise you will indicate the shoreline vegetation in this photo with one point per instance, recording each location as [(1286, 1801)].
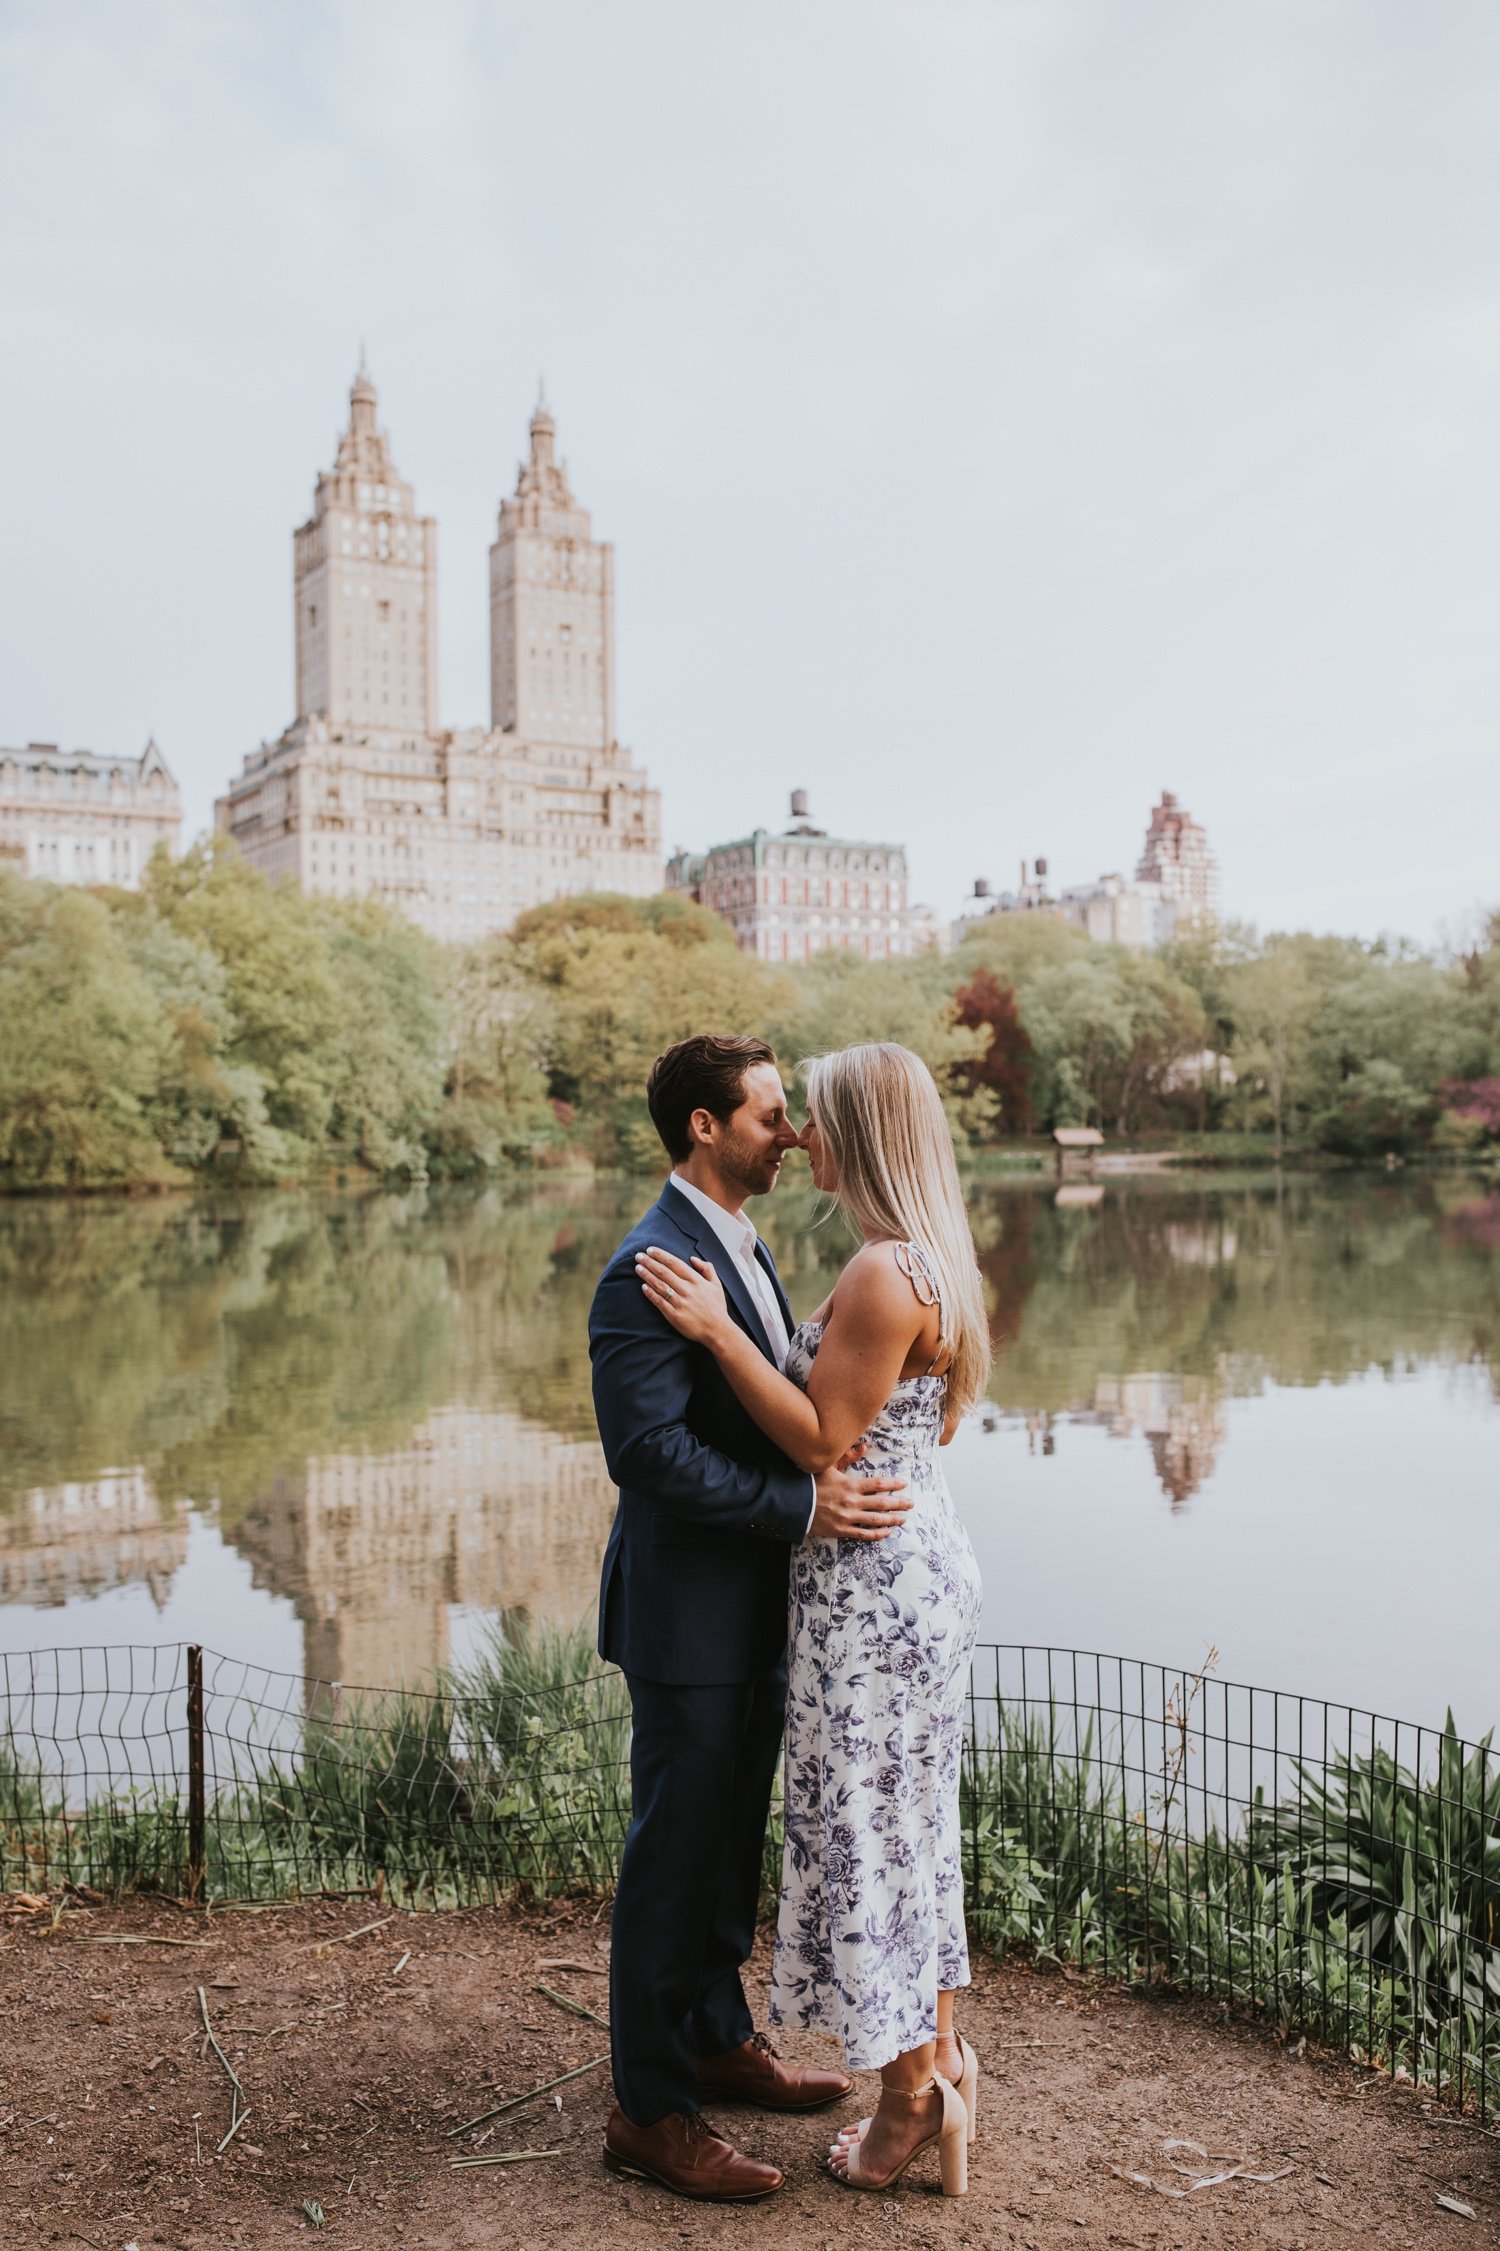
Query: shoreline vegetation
[(1353, 1901), (214, 1028)]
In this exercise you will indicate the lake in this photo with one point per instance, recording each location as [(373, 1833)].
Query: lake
[(341, 1435)]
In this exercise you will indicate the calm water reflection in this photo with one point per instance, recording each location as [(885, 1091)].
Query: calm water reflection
[(334, 1435)]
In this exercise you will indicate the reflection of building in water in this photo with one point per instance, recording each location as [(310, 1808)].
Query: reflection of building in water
[(82, 1539), (485, 1509), (1208, 1241), (1180, 1420)]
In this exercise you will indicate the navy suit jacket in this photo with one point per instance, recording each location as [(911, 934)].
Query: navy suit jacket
[(694, 1591)]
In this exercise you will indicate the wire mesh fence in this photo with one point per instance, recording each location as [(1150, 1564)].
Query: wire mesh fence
[(178, 1769), (1334, 1868), (1331, 1867)]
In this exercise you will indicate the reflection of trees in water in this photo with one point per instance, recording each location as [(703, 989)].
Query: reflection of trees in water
[(1005, 1238), (219, 1345), (1304, 1280), (213, 1346), (1474, 1224)]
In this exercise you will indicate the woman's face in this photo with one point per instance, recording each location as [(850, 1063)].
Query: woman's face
[(824, 1170)]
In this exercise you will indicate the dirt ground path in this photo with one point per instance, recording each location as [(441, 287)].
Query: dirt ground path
[(357, 2053)]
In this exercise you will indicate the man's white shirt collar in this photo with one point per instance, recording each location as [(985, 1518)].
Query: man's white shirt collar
[(739, 1238), (732, 1227)]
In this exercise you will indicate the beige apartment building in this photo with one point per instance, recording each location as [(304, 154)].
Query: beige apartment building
[(1177, 857), (461, 828), (1118, 913), (72, 816), (787, 897), (1175, 886)]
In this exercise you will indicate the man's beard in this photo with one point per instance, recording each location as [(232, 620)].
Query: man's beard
[(753, 1171)]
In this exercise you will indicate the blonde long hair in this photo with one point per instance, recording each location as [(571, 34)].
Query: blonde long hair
[(878, 1110)]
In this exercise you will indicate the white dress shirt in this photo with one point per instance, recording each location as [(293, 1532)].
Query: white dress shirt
[(739, 1239)]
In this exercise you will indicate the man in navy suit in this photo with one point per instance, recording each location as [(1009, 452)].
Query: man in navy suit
[(693, 1608)]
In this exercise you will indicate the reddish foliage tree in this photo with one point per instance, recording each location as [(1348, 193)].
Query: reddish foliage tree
[(1005, 1066), (1474, 1098)]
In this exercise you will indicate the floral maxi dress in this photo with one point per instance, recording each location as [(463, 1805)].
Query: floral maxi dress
[(871, 1922)]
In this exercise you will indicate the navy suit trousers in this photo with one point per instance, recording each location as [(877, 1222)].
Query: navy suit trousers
[(702, 1761)]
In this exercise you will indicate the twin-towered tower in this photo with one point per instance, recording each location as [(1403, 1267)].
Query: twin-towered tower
[(365, 792)]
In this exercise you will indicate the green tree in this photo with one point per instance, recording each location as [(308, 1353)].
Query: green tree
[(1272, 998), (619, 980), (497, 1110), (201, 1098), (388, 1051), (1109, 1027), (82, 1045), (282, 992), (840, 999)]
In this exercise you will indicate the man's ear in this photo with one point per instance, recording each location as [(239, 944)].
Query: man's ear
[(701, 1128)]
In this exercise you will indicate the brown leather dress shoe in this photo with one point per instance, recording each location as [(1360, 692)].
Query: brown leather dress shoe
[(683, 2153), (755, 2073)]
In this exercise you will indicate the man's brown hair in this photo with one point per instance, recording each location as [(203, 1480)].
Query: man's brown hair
[(706, 1072)]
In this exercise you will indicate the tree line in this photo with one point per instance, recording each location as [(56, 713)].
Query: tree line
[(213, 1025)]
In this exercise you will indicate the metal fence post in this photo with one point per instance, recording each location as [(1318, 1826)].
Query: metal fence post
[(197, 1850)]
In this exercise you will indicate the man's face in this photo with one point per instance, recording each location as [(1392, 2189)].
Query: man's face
[(750, 1143)]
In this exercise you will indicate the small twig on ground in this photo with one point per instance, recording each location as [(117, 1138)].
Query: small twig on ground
[(565, 2001), (1469, 2125), (400, 1966), (584, 1969), (321, 1945), (516, 2101), (156, 1940), (237, 2116), (507, 2157)]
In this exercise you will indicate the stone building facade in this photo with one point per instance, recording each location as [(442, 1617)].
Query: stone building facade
[(461, 828), (787, 897), (1119, 913), (72, 816), (364, 577), (1175, 887), (1176, 856)]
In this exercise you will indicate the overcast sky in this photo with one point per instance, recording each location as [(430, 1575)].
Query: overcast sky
[(1001, 411)]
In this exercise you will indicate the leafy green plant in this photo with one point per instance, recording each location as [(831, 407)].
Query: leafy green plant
[(1409, 1866)]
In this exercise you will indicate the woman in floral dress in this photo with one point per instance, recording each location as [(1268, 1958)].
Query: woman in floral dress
[(870, 1941)]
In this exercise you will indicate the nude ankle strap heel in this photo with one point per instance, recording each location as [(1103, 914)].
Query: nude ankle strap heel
[(968, 2086), (952, 2138), (953, 2142)]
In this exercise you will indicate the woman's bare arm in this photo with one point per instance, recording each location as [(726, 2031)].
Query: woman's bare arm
[(874, 1320)]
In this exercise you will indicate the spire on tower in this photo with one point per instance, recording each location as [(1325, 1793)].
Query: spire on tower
[(362, 400), (543, 433)]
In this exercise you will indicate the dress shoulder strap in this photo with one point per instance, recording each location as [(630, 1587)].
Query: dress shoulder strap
[(919, 1270)]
